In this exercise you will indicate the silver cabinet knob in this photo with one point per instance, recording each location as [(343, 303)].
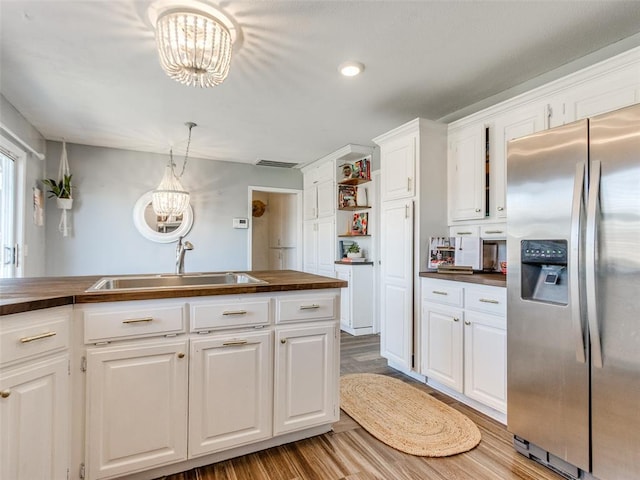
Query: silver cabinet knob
[(500, 209), (283, 340), (181, 355), (5, 393), (478, 210), (456, 319), (467, 322)]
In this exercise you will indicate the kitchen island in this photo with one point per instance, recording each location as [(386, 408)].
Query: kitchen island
[(143, 383)]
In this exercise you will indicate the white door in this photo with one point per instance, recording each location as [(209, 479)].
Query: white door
[(144, 385), (398, 165), (305, 377), (34, 407), (467, 179), (485, 358), (396, 242), (230, 391), (442, 337)]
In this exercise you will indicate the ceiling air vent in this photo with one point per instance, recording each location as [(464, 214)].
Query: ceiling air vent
[(273, 163)]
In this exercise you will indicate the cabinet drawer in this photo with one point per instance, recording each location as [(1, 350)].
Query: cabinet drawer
[(293, 309), (133, 321), (464, 231), (492, 300), (498, 231), (440, 292), (32, 334), (230, 313)]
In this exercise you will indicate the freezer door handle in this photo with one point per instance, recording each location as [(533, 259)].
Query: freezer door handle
[(574, 259), (591, 248)]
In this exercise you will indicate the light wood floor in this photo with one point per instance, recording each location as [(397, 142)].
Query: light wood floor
[(350, 453)]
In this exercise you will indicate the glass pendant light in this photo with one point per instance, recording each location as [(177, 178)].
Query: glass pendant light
[(170, 199)]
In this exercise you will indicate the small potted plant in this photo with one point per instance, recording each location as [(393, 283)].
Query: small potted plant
[(61, 191), (354, 251)]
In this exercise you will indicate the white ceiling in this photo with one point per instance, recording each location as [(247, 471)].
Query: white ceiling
[(88, 71)]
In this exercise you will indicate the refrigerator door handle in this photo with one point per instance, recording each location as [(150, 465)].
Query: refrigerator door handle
[(574, 259), (591, 247)]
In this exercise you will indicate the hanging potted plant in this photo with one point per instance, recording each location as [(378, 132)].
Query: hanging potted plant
[(61, 191)]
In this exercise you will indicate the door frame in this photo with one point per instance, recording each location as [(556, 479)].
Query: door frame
[(19, 199), (298, 220)]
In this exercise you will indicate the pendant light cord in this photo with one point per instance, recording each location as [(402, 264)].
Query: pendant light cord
[(186, 155)]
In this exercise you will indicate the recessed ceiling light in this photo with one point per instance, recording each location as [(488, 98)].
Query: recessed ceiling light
[(351, 69)]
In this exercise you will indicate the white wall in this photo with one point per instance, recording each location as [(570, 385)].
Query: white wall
[(107, 183), (34, 236)]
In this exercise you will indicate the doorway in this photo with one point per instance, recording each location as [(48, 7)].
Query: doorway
[(275, 229)]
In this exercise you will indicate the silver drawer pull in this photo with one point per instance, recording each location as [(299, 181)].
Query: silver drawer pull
[(234, 312), (37, 337), (494, 231), (500, 209), (233, 343), (138, 320), (464, 233), (488, 300), (438, 292), (309, 307)]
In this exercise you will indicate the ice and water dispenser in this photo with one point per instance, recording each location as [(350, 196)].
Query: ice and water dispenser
[(544, 271)]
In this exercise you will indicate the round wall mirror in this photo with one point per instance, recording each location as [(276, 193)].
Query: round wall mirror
[(158, 228)]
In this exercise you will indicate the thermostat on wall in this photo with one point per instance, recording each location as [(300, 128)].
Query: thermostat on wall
[(240, 223)]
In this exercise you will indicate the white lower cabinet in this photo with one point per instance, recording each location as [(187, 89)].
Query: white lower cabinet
[(35, 395), (234, 371), (136, 406), (33, 417), (305, 377), (230, 392), (356, 305), (463, 339)]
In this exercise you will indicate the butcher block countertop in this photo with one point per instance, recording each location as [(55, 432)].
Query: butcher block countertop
[(492, 279), (25, 294)]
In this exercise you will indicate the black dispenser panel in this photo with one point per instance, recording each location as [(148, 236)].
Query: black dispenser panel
[(548, 252)]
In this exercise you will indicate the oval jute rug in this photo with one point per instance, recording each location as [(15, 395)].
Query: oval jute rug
[(406, 418)]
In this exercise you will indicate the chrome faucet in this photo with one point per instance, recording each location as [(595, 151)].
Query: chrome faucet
[(181, 248)]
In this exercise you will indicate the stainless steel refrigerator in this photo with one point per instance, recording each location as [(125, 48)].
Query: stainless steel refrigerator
[(573, 331)]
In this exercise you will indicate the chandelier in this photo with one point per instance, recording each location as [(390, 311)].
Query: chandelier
[(195, 45), (170, 199)]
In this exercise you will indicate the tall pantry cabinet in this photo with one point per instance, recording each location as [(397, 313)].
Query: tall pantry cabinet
[(413, 162)]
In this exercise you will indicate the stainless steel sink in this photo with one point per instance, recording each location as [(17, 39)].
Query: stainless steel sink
[(172, 281)]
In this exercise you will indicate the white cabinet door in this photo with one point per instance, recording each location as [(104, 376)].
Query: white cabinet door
[(136, 407), (34, 408), (310, 202), (326, 246), (603, 94), (305, 377), (310, 249), (485, 359), (511, 125), (344, 273), (326, 199), (230, 391), (396, 243), (441, 339), (398, 167), (467, 173)]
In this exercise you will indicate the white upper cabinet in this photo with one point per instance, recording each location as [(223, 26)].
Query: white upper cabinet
[(467, 173), (509, 126), (604, 93), (398, 168)]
